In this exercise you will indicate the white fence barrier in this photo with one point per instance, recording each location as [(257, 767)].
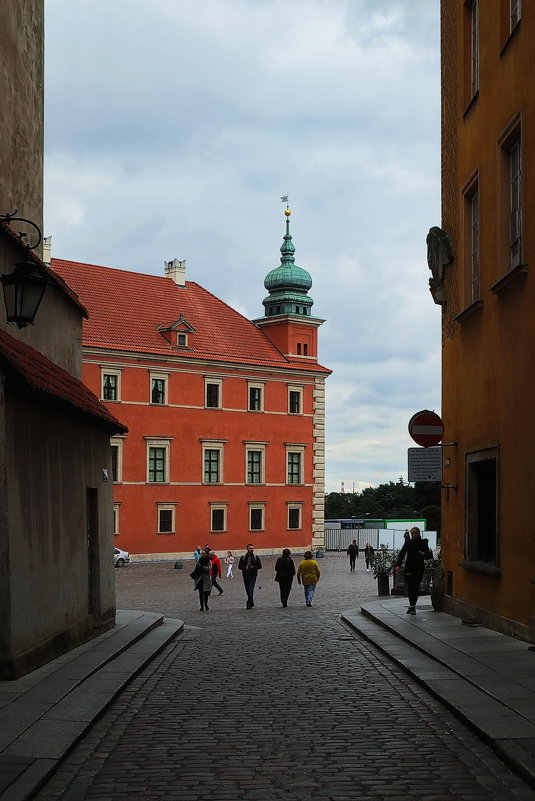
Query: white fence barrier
[(338, 539)]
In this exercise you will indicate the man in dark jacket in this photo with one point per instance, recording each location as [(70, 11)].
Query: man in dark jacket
[(249, 565), (416, 550), (353, 553)]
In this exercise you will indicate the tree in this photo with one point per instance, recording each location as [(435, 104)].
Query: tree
[(392, 500)]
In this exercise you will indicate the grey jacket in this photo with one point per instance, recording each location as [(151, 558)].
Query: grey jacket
[(203, 580)]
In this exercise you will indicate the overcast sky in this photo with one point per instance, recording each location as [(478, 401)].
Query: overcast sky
[(172, 130)]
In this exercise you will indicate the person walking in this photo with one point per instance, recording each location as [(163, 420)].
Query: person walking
[(284, 575), (353, 553), (215, 571), (415, 550), (197, 553), (308, 574), (368, 556), (229, 561), (202, 581), (249, 565)]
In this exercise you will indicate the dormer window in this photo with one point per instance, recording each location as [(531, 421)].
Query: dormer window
[(177, 333)]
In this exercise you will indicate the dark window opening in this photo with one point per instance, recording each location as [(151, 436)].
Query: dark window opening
[(294, 468), (156, 465), (212, 395), (158, 390), (295, 402), (114, 462), (211, 466), (109, 387), (255, 399), (482, 511), (218, 519), (166, 521), (294, 518), (256, 519)]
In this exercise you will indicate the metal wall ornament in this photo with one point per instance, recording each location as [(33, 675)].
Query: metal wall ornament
[(23, 288), (439, 255)]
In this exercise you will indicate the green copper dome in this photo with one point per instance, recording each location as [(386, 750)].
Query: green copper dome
[(288, 284)]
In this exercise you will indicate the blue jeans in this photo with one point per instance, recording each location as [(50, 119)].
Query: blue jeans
[(310, 589)]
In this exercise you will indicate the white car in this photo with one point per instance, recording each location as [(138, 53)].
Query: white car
[(121, 557)]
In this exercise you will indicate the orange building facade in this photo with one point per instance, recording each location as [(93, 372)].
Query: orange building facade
[(225, 416), (484, 280)]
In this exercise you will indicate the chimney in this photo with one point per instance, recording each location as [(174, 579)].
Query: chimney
[(47, 249), (176, 271)]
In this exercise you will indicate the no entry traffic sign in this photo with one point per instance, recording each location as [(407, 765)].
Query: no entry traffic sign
[(426, 428)]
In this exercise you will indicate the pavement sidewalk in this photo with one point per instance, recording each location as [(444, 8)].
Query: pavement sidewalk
[(486, 678), (44, 714)]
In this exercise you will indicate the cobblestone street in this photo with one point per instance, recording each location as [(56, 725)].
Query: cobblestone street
[(274, 703)]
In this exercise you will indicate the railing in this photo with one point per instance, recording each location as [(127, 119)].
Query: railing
[(338, 539)]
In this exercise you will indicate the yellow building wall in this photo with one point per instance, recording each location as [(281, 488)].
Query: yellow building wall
[(488, 380)]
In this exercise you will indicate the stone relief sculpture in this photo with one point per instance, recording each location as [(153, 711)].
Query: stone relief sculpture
[(439, 255)]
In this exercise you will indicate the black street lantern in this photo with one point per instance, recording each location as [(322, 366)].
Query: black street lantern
[(23, 292), (25, 286)]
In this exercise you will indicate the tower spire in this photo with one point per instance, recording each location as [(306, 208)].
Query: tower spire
[(288, 284)]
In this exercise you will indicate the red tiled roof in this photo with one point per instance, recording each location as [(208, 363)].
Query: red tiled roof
[(57, 279), (30, 372), (126, 308)]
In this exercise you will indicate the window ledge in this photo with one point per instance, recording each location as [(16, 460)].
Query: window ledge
[(486, 568), (165, 533), (476, 306), (471, 103), (518, 272)]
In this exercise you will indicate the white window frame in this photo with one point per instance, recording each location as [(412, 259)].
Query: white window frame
[(104, 371), (213, 445), (257, 506), (166, 507), (219, 383), (117, 442), (116, 519), (159, 442), (259, 447), (159, 377), (290, 506), (218, 507), (299, 449), (180, 344), (299, 391), (255, 385)]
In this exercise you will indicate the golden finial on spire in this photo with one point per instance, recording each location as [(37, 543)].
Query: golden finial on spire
[(287, 211)]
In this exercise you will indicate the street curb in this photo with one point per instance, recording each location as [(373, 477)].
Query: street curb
[(69, 718), (485, 715)]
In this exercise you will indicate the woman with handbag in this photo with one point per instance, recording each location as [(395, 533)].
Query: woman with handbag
[(284, 575), (415, 550), (202, 581)]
